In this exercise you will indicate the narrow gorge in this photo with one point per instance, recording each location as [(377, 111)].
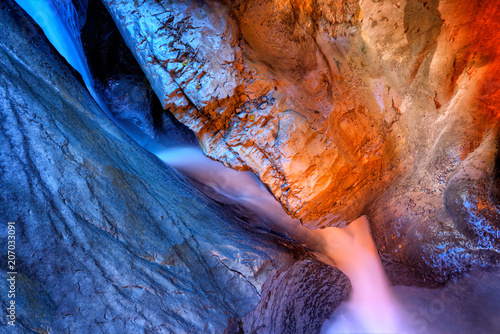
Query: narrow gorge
[(250, 166)]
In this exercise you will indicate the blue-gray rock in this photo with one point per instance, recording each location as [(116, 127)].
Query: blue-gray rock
[(123, 85), (298, 300), (471, 195), (108, 238)]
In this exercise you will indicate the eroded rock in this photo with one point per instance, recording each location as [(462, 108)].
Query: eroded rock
[(341, 108), (123, 85), (298, 299), (108, 238)]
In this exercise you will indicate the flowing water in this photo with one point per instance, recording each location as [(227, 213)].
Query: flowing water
[(59, 21), (371, 308)]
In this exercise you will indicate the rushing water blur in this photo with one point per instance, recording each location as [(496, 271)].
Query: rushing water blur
[(242, 187), (59, 22), (371, 307)]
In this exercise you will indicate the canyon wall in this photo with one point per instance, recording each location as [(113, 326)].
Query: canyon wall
[(343, 108), (108, 237)]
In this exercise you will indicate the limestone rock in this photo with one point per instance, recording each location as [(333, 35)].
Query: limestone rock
[(298, 300), (123, 85)]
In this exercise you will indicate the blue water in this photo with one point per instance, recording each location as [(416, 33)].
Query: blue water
[(59, 22)]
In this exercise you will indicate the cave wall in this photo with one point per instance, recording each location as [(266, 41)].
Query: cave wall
[(122, 84), (343, 108)]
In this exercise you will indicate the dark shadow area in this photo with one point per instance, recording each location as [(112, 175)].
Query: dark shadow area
[(122, 83)]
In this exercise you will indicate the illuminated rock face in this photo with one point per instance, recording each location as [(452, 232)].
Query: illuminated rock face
[(123, 85), (341, 108)]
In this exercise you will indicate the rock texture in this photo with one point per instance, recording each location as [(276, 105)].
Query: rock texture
[(123, 85), (108, 238), (343, 108), (298, 300)]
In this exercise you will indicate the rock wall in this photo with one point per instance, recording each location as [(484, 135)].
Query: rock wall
[(342, 108), (123, 85), (298, 300), (108, 238)]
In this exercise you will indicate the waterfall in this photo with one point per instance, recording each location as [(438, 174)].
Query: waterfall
[(242, 187), (58, 20), (370, 309)]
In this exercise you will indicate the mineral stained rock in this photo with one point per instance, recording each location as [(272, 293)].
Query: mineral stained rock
[(343, 108), (108, 238)]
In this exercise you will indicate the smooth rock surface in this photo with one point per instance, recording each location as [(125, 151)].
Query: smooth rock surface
[(342, 108), (108, 238)]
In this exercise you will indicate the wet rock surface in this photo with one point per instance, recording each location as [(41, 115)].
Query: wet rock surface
[(108, 238), (342, 108), (298, 299)]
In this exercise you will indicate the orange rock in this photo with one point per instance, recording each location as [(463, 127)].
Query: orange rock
[(355, 107)]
